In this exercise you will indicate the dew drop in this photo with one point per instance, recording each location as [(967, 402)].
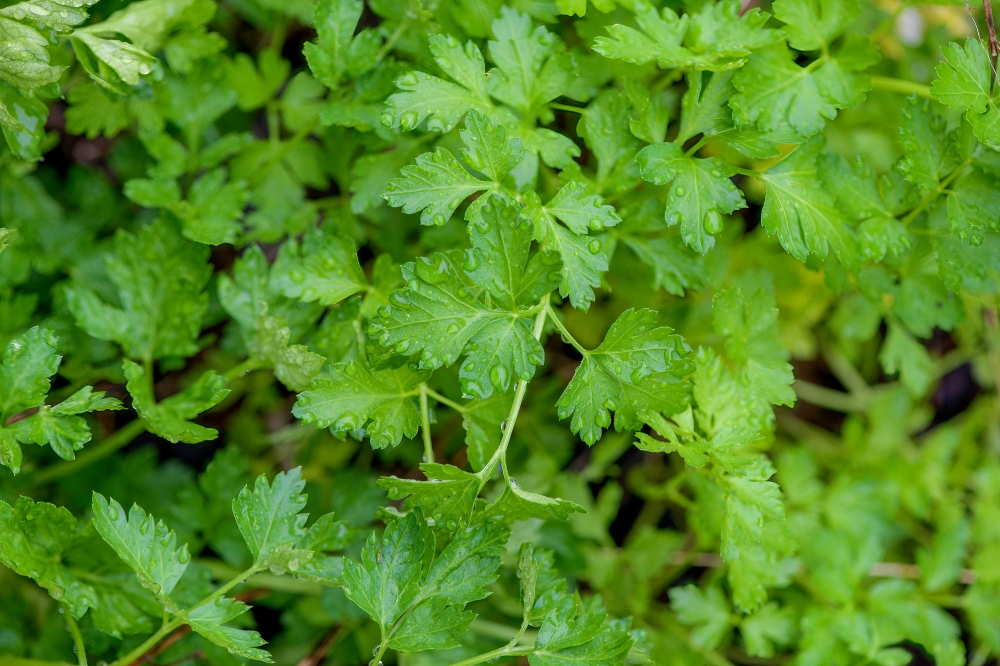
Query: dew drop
[(594, 246), (680, 191)]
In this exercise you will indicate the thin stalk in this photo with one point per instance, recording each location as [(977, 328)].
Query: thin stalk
[(902, 87), (522, 387), (425, 425), (241, 369), (445, 401), (567, 107), (74, 631), (169, 626), (149, 643), (505, 651), (846, 373), (268, 581), (932, 196), (565, 333), (836, 401), (122, 437), (236, 580), (697, 146)]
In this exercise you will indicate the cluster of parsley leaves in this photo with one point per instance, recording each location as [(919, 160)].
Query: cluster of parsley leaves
[(513, 290)]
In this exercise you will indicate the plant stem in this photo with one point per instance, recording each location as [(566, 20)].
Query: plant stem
[(697, 146), (236, 580), (566, 107), (74, 631), (508, 428), (562, 329), (221, 570), (902, 87), (425, 425), (240, 369), (122, 437), (505, 651), (836, 401), (932, 196), (148, 644), (445, 401)]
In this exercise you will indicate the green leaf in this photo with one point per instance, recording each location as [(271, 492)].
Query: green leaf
[(941, 563), (750, 326), (448, 495), (701, 192), (24, 59), (751, 501), (707, 611), (387, 579), (973, 208), (437, 184), (481, 420), (638, 366), (964, 83), (775, 93), (349, 396), (767, 628), (112, 63), (676, 267), (33, 539), (516, 503), (324, 268), (719, 37), (440, 102), (25, 375), (147, 546), (814, 24), (209, 619), (160, 280), (337, 53), (257, 85), (29, 362), (271, 520), (584, 259), (930, 152), (532, 68), (800, 212), (294, 365), (171, 417), (902, 353), (477, 310), (567, 638)]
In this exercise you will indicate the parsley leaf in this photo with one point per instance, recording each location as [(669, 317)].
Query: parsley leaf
[(638, 366), (474, 305)]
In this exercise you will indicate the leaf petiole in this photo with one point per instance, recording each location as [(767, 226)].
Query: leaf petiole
[(567, 336), (74, 631)]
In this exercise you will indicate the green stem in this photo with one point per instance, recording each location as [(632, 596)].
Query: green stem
[(221, 570), (74, 631), (567, 107), (836, 401), (902, 87), (425, 425), (149, 643), (391, 42), (119, 439), (697, 146), (243, 368), (932, 196), (25, 661), (169, 626), (445, 401), (238, 579), (508, 425), (505, 651), (563, 330), (747, 172)]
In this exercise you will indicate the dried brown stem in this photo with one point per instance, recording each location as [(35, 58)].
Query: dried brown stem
[(317, 656)]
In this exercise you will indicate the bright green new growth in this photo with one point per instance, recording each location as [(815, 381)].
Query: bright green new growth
[(562, 332)]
